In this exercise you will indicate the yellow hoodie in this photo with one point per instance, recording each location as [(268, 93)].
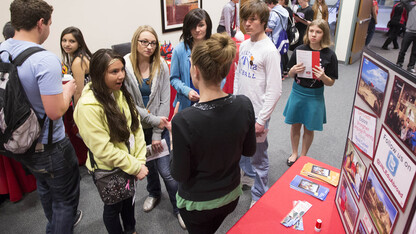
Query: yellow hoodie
[(93, 127)]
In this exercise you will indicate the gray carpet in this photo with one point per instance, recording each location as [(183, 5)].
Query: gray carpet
[(26, 216)]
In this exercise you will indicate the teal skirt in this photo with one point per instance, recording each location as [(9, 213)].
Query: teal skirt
[(306, 106)]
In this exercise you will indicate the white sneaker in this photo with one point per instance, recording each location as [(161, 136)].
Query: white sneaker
[(78, 217), (150, 203), (252, 203), (180, 220)]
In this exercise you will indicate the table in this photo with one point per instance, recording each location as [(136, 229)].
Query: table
[(13, 179), (265, 216)]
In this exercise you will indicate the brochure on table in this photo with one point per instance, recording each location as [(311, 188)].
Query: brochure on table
[(376, 192)]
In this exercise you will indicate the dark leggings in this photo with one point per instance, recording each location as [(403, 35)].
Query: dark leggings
[(206, 221)]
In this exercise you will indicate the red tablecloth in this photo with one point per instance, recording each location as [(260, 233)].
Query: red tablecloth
[(13, 179), (265, 216)]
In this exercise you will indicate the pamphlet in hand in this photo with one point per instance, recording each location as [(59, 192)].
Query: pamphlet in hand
[(150, 155), (309, 59), (306, 186), (320, 173), (300, 18), (296, 214)]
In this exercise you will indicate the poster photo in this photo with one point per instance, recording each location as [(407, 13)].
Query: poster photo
[(372, 84), (354, 168), (347, 205), (380, 207), (395, 167), (174, 11), (364, 131), (401, 113)]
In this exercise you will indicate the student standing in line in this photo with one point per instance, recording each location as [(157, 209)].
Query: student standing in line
[(320, 10), (209, 139), (76, 58), (258, 77), (306, 103), (54, 164), (409, 37), (197, 27), (229, 21), (109, 124), (398, 19), (373, 22), (147, 80), (277, 22), (306, 13)]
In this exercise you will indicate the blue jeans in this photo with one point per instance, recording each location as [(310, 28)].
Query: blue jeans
[(161, 166), (112, 213), (370, 31), (258, 166), (57, 177)]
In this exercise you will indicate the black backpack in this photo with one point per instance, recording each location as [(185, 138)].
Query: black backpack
[(20, 126)]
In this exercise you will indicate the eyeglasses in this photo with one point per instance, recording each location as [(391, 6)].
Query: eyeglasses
[(147, 43)]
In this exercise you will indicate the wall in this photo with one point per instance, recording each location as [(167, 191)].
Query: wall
[(105, 22), (345, 28)]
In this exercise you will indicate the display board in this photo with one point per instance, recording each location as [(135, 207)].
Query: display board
[(376, 192)]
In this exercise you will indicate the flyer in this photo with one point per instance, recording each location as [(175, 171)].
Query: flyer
[(309, 59), (320, 173), (306, 186)]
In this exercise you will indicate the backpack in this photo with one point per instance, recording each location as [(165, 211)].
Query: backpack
[(20, 126), (282, 43), (292, 32)]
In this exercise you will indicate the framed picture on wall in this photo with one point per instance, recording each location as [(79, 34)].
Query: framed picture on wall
[(346, 205), (372, 84), (354, 169), (174, 11), (379, 205), (395, 167), (401, 113)]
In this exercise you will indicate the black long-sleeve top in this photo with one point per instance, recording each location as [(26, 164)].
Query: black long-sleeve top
[(208, 141)]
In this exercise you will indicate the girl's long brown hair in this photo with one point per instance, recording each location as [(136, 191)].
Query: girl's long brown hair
[(116, 120)]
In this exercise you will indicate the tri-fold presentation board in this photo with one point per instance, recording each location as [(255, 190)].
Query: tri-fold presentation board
[(376, 192)]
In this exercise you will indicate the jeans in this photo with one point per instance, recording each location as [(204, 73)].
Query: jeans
[(161, 166), (370, 31), (112, 213), (409, 38), (206, 221), (57, 177), (394, 31), (258, 166)]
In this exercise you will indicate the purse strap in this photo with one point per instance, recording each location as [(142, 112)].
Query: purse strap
[(92, 161)]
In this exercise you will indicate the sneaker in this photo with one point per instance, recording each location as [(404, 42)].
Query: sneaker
[(150, 203), (384, 48), (411, 69), (399, 65), (78, 217), (252, 203), (181, 223)]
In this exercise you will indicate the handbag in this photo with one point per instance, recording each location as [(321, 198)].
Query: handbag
[(282, 43), (113, 185)]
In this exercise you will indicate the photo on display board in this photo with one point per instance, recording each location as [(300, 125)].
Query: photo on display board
[(372, 84), (411, 222), (395, 167), (174, 11), (354, 168), (380, 207), (347, 206), (361, 228), (401, 113), (364, 127)]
